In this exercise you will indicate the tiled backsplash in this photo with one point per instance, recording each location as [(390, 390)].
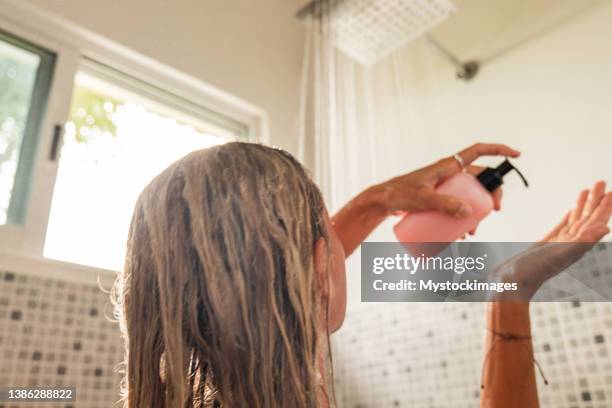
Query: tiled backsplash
[(430, 355), (54, 332)]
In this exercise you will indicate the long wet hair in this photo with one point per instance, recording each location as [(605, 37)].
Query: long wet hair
[(219, 303)]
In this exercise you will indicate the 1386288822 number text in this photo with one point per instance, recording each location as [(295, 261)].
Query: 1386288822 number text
[(37, 394)]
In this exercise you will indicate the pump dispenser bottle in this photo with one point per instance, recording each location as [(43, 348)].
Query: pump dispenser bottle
[(475, 191)]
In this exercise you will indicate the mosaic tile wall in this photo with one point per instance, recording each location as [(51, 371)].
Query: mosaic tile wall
[(387, 355), (430, 355), (58, 333)]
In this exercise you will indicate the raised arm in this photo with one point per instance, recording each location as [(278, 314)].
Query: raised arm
[(412, 192), (509, 378)]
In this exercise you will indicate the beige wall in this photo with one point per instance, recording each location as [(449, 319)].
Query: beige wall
[(551, 97), (252, 49)]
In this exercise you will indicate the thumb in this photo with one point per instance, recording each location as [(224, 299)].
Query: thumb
[(447, 204)]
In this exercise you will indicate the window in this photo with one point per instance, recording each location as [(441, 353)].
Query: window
[(25, 76), (120, 134), (79, 139)]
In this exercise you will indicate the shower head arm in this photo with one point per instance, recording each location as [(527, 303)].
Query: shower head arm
[(465, 70)]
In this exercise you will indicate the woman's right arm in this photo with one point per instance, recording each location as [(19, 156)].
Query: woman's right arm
[(412, 192), (509, 378)]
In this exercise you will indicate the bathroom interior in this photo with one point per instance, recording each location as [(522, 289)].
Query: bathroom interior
[(97, 97)]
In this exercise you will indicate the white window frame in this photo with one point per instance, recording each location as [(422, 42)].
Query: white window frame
[(71, 44)]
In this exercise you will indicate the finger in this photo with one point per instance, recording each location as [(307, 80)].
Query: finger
[(474, 170), (597, 193), (445, 168), (580, 202), (603, 212), (487, 149), (593, 200), (447, 204), (593, 234), (576, 219), (497, 199), (472, 231), (558, 228)]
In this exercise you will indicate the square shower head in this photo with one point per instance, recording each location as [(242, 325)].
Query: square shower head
[(369, 30)]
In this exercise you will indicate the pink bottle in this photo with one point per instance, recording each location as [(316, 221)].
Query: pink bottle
[(438, 227)]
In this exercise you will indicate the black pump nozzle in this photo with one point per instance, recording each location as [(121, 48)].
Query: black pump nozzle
[(492, 178)]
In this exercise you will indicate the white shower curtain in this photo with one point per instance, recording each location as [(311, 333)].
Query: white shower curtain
[(361, 124)]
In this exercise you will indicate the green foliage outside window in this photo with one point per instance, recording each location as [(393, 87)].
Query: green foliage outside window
[(16, 84), (92, 113)]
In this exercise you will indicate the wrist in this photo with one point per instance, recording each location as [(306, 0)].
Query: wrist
[(508, 316), (374, 200), (525, 290)]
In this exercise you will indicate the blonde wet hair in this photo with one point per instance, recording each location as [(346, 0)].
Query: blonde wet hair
[(219, 303)]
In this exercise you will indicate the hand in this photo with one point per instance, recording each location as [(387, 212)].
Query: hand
[(577, 233), (588, 222), (415, 192)]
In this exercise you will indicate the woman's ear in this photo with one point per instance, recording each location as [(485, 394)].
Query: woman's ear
[(320, 265)]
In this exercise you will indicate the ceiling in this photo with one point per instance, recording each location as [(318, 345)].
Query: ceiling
[(483, 29)]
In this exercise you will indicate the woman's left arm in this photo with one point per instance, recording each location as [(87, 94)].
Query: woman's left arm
[(509, 378), (413, 192)]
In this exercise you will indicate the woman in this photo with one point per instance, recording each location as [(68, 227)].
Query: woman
[(235, 278)]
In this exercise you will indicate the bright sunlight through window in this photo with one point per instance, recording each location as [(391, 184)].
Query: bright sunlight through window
[(114, 144)]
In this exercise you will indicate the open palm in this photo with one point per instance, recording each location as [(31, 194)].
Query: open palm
[(576, 234), (588, 222)]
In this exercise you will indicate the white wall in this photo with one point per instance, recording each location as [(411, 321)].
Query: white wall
[(550, 98), (251, 49)]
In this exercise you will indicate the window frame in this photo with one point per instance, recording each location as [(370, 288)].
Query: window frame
[(71, 45), (36, 111)]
